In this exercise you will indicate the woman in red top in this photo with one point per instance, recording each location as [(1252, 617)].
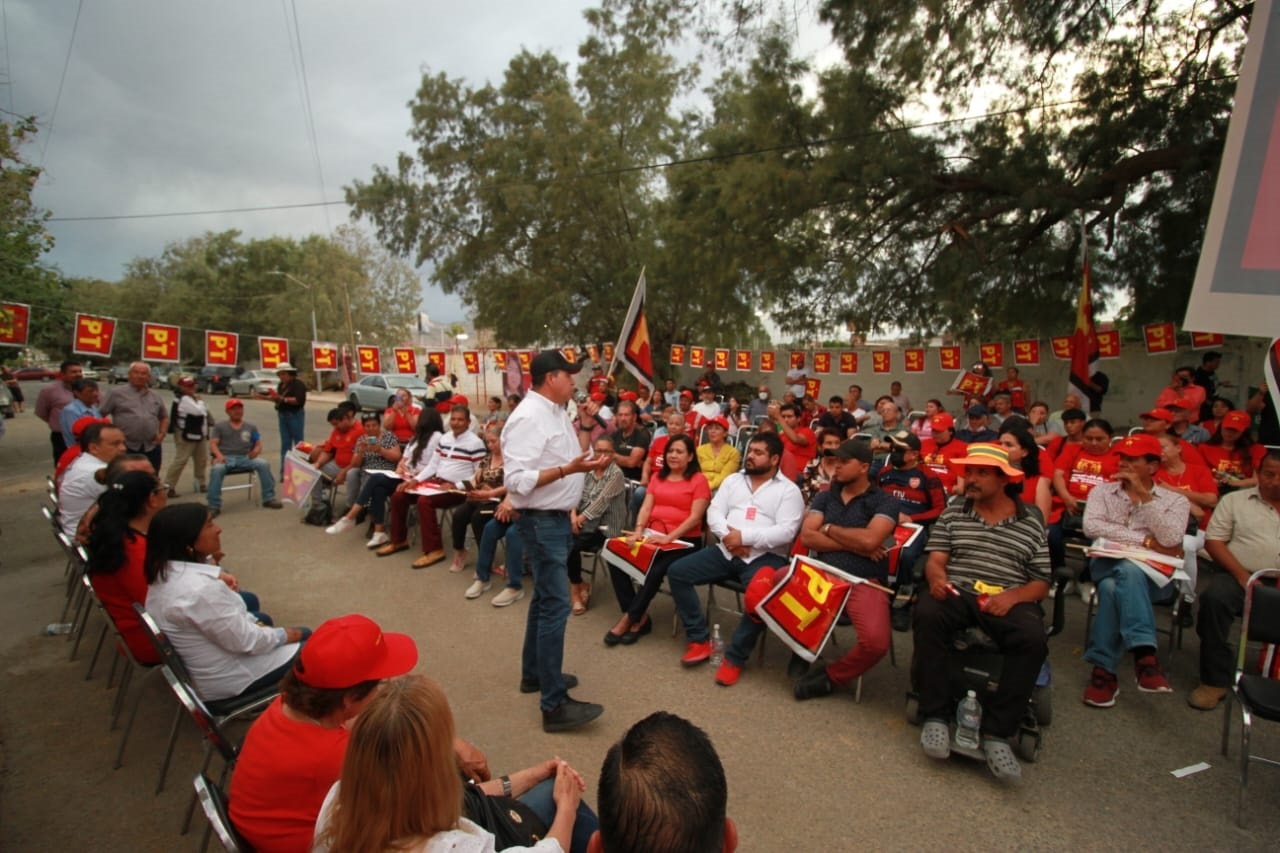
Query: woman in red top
[(1193, 481), (1231, 455), (401, 417), (673, 508), (117, 549), (1082, 466), (1219, 406)]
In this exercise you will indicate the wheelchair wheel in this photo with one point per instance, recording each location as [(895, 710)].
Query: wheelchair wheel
[(1028, 746), (1043, 699), (912, 711)]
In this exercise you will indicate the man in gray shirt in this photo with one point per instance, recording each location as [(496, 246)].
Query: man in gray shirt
[(236, 447), (140, 414)]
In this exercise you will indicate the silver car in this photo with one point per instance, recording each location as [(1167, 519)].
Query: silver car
[(253, 382), (374, 390)]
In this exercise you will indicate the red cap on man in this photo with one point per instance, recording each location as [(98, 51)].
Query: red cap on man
[(1139, 444), (233, 403), (942, 421), (1160, 414), (345, 651)]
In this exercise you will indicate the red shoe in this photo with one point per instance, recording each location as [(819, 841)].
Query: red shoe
[(728, 673), (696, 653), (1102, 689), (1149, 675)]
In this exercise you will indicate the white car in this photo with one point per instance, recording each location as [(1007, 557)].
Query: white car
[(253, 382), (374, 391)]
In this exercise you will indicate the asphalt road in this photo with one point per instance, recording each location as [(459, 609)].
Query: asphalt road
[(822, 775)]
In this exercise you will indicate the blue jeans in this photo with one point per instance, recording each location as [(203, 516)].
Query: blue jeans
[(547, 541), (708, 566), (237, 465), (1125, 619), (540, 799), (493, 531), (292, 426)]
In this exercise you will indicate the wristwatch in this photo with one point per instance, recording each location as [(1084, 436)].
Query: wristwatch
[(826, 530), (506, 785)]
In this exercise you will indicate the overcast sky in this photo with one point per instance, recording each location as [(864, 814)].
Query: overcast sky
[(176, 106)]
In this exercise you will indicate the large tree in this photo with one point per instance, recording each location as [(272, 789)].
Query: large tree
[(534, 198)]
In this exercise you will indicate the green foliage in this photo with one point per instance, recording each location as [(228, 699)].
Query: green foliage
[(219, 282), (822, 199)]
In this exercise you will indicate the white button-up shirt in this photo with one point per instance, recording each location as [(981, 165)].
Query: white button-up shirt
[(223, 646), (539, 435), (769, 517), (78, 491)]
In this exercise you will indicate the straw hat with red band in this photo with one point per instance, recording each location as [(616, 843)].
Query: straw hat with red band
[(1141, 444), (1236, 419), (345, 651), (990, 455)]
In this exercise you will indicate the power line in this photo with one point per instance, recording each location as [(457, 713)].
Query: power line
[(669, 164), (308, 114), (66, 63)]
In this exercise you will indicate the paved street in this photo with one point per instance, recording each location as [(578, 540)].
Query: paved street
[(822, 775)]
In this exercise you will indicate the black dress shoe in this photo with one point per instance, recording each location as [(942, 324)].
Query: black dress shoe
[(531, 685), (569, 715), (814, 685), (612, 639), (632, 637), (796, 667)]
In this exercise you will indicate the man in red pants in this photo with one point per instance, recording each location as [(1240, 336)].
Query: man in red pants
[(846, 526)]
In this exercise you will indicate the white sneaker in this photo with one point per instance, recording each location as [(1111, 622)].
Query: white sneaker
[(1086, 591), (507, 596), (342, 525), (478, 588), (378, 539)]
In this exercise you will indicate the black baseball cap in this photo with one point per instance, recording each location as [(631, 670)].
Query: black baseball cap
[(550, 360), (854, 448)]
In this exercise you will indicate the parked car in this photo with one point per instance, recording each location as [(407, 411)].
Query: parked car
[(253, 382), (118, 374), (214, 380), (374, 390), (6, 402), (36, 373)]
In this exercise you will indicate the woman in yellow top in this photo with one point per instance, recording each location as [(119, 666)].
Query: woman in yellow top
[(717, 459)]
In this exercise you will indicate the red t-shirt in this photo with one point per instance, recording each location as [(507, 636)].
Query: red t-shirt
[(284, 771), (400, 426), (119, 590), (673, 501), (935, 459), (1233, 462), (1194, 478), (1083, 470), (801, 454), (1017, 392), (342, 444), (657, 449)]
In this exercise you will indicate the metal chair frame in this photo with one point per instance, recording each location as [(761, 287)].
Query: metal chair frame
[(214, 804), (1260, 624)]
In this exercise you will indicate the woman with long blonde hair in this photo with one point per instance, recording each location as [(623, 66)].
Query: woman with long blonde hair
[(401, 789)]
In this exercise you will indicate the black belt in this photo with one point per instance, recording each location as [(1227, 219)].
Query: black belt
[(547, 512)]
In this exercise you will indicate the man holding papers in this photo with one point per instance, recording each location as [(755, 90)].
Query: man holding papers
[(1147, 521)]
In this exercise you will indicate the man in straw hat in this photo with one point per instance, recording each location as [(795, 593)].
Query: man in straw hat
[(988, 566)]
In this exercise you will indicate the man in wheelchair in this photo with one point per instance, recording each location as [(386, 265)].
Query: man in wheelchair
[(988, 566)]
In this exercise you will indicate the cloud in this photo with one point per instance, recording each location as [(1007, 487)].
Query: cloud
[(173, 106)]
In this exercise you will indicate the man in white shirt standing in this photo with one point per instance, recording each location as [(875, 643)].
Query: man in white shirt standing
[(756, 514), (543, 467)]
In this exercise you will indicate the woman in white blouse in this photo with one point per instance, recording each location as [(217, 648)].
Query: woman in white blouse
[(228, 650)]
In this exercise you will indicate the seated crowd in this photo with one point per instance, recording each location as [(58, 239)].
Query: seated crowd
[(728, 493)]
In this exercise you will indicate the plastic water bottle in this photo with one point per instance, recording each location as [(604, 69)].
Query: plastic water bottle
[(969, 722), (717, 646), (55, 628)]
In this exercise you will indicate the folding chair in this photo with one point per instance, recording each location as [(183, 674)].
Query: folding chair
[(214, 804), (248, 485), (176, 674), (1258, 695)]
